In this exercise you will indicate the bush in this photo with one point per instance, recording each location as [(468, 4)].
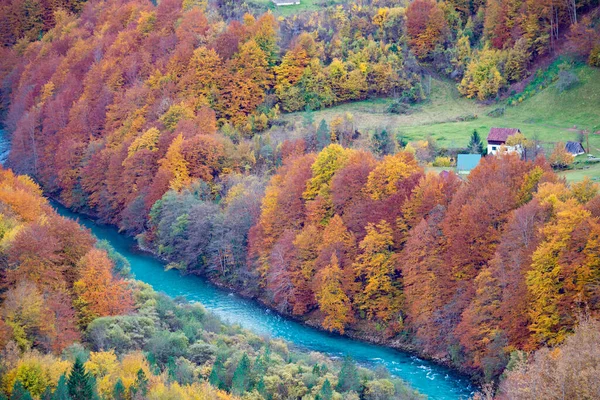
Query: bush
[(122, 333), (165, 344), (594, 59), (466, 117), (398, 107), (566, 80), (560, 157), (442, 162), (497, 112), (201, 352)]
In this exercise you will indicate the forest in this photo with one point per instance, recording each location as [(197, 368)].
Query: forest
[(75, 325), (165, 120)]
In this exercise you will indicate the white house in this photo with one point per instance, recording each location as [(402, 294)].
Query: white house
[(498, 137)]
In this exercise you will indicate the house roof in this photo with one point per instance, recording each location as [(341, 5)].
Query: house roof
[(466, 162), (574, 148), (501, 134)]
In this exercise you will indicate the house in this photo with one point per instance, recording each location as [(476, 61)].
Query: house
[(285, 2), (498, 137), (574, 148), (466, 162)]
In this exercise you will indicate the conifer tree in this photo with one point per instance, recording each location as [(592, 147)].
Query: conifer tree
[(62, 390), (119, 390), (19, 392), (475, 144), (215, 375), (79, 384), (323, 135), (241, 376), (348, 379), (140, 386), (326, 392)]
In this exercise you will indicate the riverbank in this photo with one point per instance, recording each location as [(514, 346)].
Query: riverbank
[(433, 379), (313, 331)]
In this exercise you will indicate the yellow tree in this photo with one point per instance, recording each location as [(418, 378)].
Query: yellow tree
[(382, 181), (545, 280), (329, 160), (380, 295), (176, 165), (333, 301)]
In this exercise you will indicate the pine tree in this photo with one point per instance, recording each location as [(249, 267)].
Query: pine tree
[(80, 385), (119, 390), (47, 394), (475, 144), (241, 376), (62, 390), (316, 370), (261, 388), (19, 392), (382, 143), (215, 375), (348, 379), (140, 386), (326, 392), (323, 135)]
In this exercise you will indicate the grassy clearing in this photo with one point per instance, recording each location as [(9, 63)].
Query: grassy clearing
[(549, 116), (305, 5)]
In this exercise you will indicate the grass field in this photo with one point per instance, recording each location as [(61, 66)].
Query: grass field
[(305, 5), (548, 116)]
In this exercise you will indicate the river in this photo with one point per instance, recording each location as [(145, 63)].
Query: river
[(433, 380)]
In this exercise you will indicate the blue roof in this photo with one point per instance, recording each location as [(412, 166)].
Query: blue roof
[(466, 162)]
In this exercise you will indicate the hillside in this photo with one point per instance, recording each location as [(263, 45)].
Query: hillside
[(438, 115), (243, 148), (548, 116)]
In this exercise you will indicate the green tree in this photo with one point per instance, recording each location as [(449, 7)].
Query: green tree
[(323, 135), (326, 392), (19, 392), (216, 373), (80, 385), (62, 390), (241, 376), (348, 379), (381, 143), (119, 390), (475, 144), (140, 386), (47, 394)]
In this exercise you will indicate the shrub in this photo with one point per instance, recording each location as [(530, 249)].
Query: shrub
[(594, 59), (497, 112), (121, 333), (560, 157), (566, 80), (466, 117), (442, 162), (398, 107)]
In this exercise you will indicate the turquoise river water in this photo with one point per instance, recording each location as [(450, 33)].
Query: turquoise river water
[(435, 381)]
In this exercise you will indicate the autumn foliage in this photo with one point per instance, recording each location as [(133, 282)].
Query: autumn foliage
[(54, 281), (469, 269)]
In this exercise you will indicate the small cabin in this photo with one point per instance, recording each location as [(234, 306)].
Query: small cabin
[(498, 137), (575, 148), (285, 2), (466, 162)]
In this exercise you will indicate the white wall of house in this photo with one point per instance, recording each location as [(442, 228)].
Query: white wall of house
[(494, 149)]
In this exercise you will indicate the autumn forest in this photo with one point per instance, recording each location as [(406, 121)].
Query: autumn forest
[(171, 121)]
